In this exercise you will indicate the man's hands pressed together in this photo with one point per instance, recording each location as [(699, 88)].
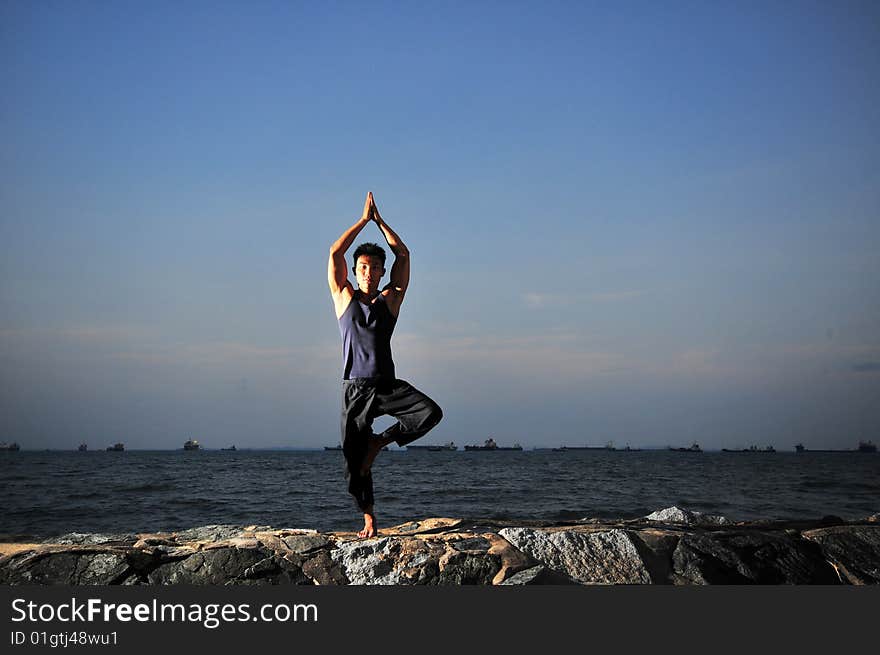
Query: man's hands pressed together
[(368, 208)]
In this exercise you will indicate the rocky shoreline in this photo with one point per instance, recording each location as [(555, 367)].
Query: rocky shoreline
[(671, 546)]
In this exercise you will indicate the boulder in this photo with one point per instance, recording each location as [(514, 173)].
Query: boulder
[(468, 561), (216, 566), (305, 543), (608, 557), (854, 551), (748, 558), (685, 517), (323, 570), (64, 568), (277, 570), (388, 561), (422, 561), (90, 539)]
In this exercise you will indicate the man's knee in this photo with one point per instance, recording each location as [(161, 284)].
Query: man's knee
[(433, 417)]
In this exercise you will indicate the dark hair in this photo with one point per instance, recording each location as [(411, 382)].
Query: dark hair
[(371, 250)]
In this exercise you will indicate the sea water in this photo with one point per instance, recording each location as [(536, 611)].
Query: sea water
[(50, 493)]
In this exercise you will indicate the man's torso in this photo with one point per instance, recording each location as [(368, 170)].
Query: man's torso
[(366, 329)]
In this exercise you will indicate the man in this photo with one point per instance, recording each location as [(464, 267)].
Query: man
[(367, 317)]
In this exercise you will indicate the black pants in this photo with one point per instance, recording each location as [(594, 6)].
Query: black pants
[(363, 400)]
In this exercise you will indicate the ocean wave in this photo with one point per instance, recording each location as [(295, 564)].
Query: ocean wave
[(819, 484), (188, 501), (85, 495)]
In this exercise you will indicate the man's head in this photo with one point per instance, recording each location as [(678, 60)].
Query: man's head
[(369, 267)]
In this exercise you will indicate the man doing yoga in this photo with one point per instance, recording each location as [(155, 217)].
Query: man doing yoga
[(367, 316)]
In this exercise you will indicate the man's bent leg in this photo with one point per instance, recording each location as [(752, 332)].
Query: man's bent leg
[(415, 412)]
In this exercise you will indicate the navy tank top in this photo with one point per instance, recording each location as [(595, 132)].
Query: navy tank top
[(366, 339)]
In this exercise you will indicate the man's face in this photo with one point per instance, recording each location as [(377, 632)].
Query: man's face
[(369, 271)]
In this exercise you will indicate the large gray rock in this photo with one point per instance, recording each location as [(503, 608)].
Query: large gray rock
[(607, 557), (748, 558), (64, 568), (854, 551), (305, 543), (322, 570), (468, 562), (216, 566), (685, 517), (276, 570), (90, 539), (385, 561), (413, 561)]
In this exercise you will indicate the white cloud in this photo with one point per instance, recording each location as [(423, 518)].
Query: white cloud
[(534, 300), (614, 296)]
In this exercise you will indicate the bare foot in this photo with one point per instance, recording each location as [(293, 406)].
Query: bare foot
[(370, 529)]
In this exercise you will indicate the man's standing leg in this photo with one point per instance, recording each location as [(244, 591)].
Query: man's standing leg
[(356, 422)]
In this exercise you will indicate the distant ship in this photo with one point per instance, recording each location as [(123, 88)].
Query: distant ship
[(191, 444), (117, 447), (694, 448), (490, 444), (435, 448), (232, 447), (864, 447), (83, 447), (800, 449), (607, 446), (9, 446), (750, 449)]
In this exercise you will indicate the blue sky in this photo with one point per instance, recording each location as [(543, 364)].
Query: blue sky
[(630, 222)]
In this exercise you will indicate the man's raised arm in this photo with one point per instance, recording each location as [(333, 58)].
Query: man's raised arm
[(400, 269), (337, 275)]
